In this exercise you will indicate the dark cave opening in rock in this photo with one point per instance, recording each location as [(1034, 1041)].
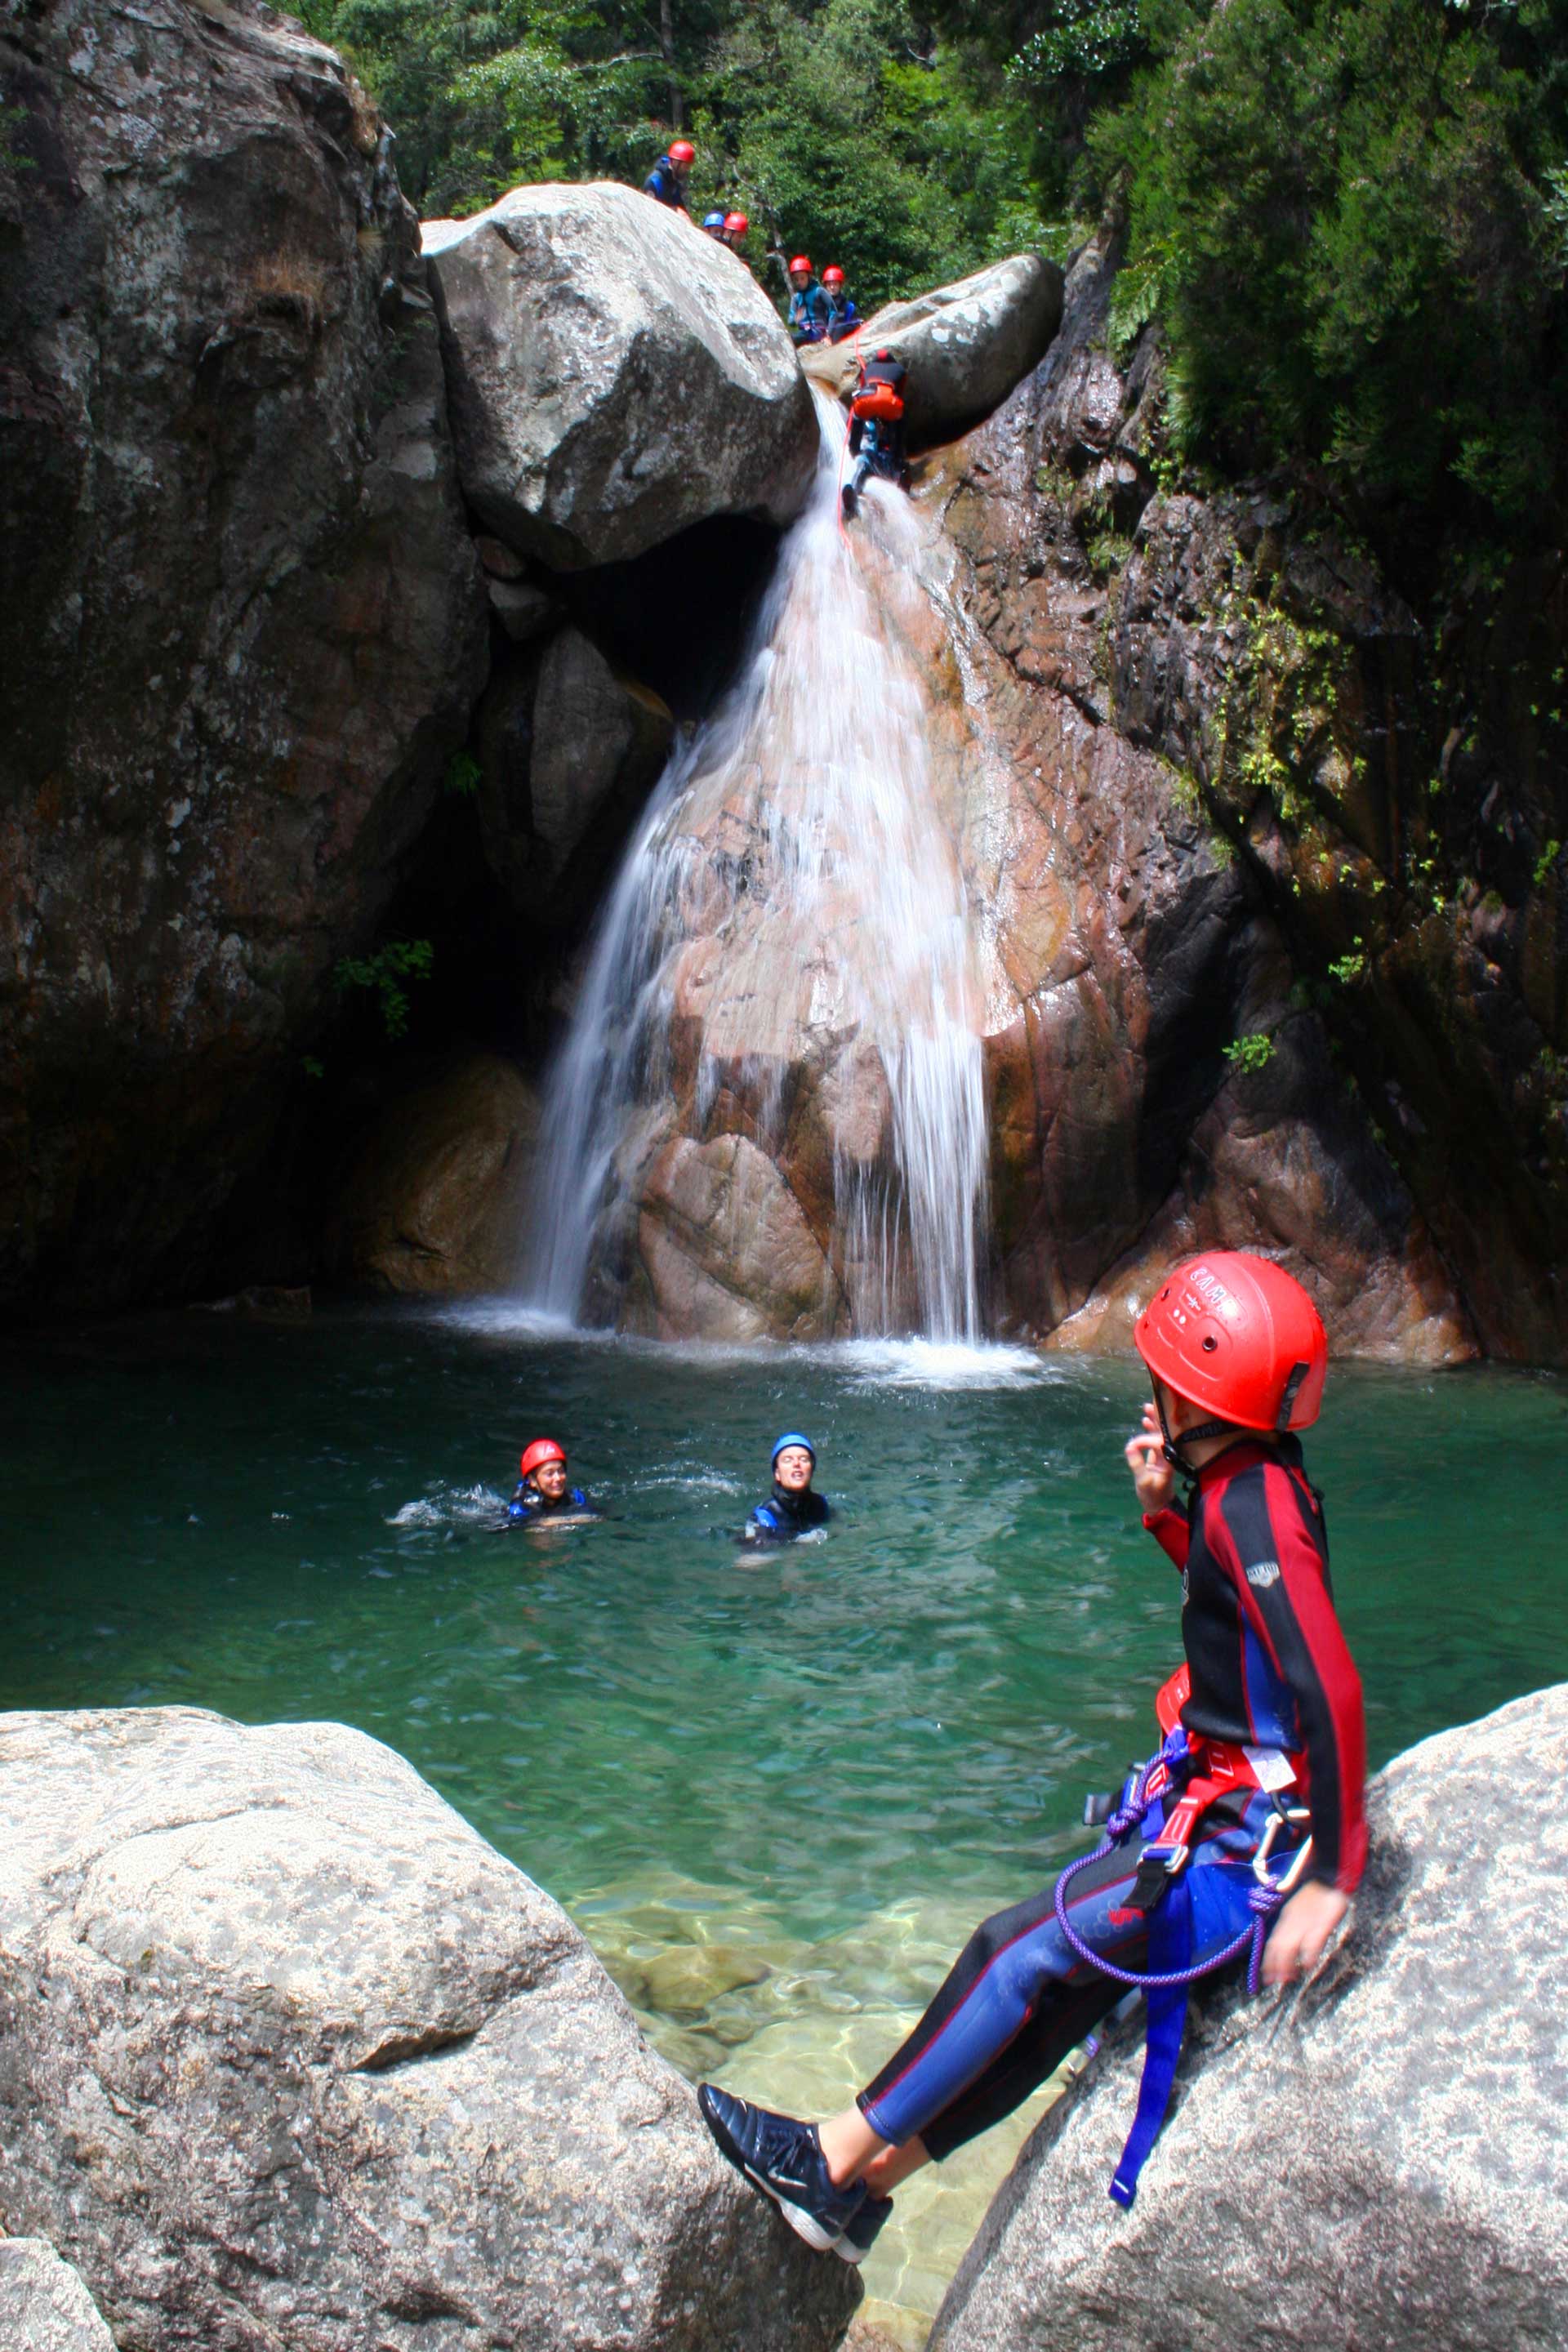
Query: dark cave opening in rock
[(678, 617)]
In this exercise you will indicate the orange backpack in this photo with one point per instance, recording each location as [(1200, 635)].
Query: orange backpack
[(878, 401)]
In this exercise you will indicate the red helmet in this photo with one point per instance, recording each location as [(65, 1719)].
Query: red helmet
[(542, 1449), (801, 261), (833, 275), (681, 150), (1239, 1336), (736, 224)]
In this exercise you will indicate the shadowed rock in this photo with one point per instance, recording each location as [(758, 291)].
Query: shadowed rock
[(1375, 2160), (242, 622), (616, 375), (293, 2057)]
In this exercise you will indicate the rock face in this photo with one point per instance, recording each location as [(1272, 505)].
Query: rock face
[(1377, 2161), (43, 2306), (293, 2057), (570, 750), (436, 1199), (243, 621), (965, 345), (616, 375)]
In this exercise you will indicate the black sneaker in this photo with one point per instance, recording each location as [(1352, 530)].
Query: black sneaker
[(848, 501), (859, 2232), (784, 2159)]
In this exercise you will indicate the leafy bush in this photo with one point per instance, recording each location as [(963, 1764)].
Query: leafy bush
[(384, 974)]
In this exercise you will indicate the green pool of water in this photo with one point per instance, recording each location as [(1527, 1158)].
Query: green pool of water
[(776, 1794)]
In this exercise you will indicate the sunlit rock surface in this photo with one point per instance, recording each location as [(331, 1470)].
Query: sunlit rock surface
[(43, 2306), (615, 375), (292, 2056), (965, 345), (242, 619), (1376, 2161)]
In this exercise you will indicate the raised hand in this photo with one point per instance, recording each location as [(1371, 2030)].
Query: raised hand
[(1145, 1455)]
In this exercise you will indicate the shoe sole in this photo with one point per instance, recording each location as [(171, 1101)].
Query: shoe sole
[(805, 2225)]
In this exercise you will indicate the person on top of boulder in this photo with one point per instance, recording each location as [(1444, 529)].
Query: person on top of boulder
[(713, 226), (667, 181), (843, 318), (1249, 1823), (807, 302), (793, 1506), (735, 228), (543, 1496), (876, 436)]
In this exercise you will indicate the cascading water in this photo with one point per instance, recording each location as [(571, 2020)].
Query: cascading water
[(786, 952)]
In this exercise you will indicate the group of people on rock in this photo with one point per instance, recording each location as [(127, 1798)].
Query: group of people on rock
[(546, 1498), (821, 310)]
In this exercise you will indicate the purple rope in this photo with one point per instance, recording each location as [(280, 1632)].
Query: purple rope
[(1263, 1901)]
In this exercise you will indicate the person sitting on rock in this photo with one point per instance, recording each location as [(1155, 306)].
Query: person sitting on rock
[(807, 302), (793, 1506), (713, 226), (876, 438), (736, 225), (543, 1494), (1206, 1854), (667, 181), (843, 318)]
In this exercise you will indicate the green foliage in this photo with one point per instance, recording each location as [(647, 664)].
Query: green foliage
[(1252, 1052), (1348, 968), (384, 973), (1081, 38), (312, 1065), (837, 125), (1350, 215), (464, 775), (1546, 861)]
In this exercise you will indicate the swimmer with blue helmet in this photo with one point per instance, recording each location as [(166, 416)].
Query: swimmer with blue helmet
[(793, 1506)]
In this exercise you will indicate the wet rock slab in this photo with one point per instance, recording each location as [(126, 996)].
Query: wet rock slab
[(43, 2306), (1377, 2161), (292, 2056)]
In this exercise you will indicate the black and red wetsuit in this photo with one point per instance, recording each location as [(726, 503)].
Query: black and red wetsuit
[(1269, 1669)]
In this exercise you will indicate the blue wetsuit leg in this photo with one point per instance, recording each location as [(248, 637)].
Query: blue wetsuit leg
[(1018, 1998)]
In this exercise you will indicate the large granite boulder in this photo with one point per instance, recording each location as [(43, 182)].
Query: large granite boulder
[(1378, 2159), (434, 1199), (292, 2057), (965, 345), (616, 375), (43, 2306), (243, 624)]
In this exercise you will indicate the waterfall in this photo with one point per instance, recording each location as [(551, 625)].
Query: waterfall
[(792, 903)]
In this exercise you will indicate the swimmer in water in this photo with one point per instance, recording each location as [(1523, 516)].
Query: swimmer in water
[(543, 1495), (793, 1506)]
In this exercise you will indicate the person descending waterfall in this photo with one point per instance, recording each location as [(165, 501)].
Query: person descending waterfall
[(793, 1506), (1205, 1855), (543, 1497), (843, 318), (667, 181), (807, 302), (877, 427)]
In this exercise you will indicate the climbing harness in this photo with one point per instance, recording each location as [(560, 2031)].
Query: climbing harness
[(1205, 1772)]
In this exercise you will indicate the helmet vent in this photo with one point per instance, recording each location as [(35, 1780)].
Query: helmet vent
[(1210, 1344)]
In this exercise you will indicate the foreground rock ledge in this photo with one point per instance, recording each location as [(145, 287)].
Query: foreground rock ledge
[(1378, 2162), (43, 2306), (292, 2057)]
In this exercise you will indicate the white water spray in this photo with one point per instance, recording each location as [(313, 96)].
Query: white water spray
[(793, 889)]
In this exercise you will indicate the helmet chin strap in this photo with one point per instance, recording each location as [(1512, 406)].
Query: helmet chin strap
[(1173, 1447)]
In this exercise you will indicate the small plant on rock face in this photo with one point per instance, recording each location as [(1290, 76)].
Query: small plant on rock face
[(463, 775), (1349, 969), (384, 973), (1546, 861), (1252, 1052)]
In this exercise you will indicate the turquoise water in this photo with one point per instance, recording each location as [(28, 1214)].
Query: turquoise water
[(775, 1791)]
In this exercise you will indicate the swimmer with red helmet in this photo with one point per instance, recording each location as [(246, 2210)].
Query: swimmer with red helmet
[(543, 1498), (1248, 1823)]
